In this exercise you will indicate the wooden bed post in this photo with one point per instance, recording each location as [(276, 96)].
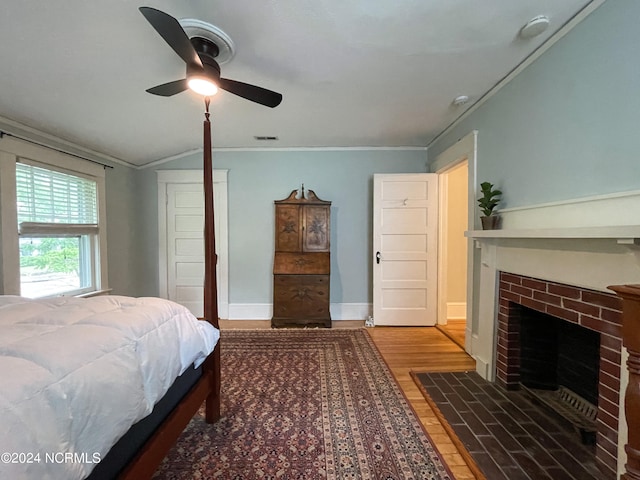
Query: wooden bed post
[(631, 340), (212, 364), (155, 449)]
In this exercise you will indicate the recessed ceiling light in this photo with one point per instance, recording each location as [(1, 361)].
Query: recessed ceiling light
[(535, 26), (460, 100)]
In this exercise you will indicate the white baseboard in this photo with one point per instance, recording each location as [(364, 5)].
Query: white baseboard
[(250, 311), (264, 311), (456, 310), (350, 311), (482, 368)]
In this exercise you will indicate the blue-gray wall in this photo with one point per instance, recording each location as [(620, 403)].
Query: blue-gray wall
[(568, 125), (123, 230), (255, 180)]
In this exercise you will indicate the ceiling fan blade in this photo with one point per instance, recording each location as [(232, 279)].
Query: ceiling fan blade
[(169, 28), (251, 92), (169, 89)]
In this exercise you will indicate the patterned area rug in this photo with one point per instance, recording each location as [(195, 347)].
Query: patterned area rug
[(305, 404)]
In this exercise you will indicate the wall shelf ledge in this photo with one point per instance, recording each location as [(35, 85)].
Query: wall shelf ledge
[(623, 234)]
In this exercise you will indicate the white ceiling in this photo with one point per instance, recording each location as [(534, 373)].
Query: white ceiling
[(353, 73)]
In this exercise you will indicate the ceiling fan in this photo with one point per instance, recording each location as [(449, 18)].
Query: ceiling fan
[(203, 71)]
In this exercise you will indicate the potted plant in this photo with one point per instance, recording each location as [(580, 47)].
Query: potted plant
[(488, 202)]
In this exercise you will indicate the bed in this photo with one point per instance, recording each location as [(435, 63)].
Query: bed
[(61, 419), (78, 373)]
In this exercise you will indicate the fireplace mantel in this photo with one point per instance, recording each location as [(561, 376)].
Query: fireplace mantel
[(588, 257)]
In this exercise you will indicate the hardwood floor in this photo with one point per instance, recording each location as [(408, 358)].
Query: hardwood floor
[(455, 330), (425, 349), (405, 349)]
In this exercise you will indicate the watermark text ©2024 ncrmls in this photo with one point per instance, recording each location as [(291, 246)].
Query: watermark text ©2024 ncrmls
[(50, 457)]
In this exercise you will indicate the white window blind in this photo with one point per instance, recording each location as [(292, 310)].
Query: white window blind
[(66, 203)]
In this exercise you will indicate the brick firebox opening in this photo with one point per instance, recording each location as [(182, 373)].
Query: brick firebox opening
[(597, 311)]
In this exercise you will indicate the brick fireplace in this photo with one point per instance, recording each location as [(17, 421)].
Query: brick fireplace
[(597, 311)]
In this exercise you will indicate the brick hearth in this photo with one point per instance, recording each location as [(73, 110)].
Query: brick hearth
[(595, 310)]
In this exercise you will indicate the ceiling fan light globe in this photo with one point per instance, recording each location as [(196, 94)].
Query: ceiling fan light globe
[(202, 86)]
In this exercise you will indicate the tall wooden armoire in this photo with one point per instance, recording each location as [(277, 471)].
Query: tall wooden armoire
[(302, 261)]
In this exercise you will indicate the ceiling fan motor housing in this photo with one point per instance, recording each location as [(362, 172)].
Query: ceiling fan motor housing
[(207, 51)]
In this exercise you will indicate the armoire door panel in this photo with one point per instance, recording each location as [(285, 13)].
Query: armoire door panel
[(316, 229), (288, 228)]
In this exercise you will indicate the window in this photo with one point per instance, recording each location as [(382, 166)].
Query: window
[(57, 215)]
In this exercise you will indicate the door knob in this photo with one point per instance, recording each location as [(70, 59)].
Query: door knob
[(377, 257)]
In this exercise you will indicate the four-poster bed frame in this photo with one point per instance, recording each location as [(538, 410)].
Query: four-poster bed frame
[(207, 389)]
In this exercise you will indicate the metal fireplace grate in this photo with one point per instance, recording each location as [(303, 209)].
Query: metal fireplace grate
[(570, 406)]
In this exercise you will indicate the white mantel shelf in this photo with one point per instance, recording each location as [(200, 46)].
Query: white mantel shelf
[(623, 233)]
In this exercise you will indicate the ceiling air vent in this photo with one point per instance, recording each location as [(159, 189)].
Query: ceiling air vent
[(266, 138)]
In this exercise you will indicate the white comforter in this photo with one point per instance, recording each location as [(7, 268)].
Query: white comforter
[(77, 373)]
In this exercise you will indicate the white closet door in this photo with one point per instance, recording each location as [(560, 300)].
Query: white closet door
[(185, 245), (181, 245)]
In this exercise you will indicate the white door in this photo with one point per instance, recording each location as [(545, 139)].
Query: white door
[(182, 239), (405, 266), (185, 245)]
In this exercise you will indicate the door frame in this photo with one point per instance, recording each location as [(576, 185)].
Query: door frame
[(220, 186), (464, 149), (443, 238)]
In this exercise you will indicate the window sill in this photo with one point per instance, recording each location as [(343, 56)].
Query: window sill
[(94, 293)]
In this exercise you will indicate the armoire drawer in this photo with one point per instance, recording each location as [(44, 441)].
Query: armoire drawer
[(288, 263), (305, 296)]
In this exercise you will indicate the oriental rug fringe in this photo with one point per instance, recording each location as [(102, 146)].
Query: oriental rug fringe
[(305, 404)]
